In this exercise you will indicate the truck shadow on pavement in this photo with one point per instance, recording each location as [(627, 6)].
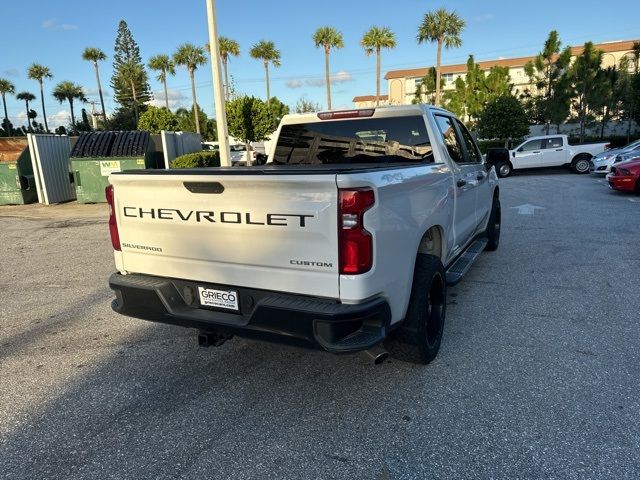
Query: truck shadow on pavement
[(168, 408)]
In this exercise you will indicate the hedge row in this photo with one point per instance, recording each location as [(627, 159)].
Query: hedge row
[(197, 160)]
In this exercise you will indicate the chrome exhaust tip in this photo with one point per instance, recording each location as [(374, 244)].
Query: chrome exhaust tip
[(377, 354)]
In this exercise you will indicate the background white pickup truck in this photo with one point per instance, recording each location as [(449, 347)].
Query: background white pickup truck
[(344, 241), (550, 151)]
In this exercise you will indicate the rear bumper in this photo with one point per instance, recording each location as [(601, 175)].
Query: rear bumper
[(264, 315), (622, 183)]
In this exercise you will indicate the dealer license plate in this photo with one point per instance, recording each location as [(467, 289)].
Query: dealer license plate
[(227, 299)]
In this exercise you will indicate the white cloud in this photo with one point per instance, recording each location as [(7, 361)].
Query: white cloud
[(294, 83), (62, 117), (340, 77), (54, 25), (177, 99)]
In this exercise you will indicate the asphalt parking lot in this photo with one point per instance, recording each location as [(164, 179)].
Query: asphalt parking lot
[(538, 376)]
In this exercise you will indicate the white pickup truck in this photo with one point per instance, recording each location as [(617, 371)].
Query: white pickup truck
[(550, 151), (344, 241)]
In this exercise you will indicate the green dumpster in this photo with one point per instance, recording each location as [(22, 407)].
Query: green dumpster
[(17, 183), (96, 155)]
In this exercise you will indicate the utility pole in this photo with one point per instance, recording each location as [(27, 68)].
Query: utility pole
[(94, 120), (218, 90)]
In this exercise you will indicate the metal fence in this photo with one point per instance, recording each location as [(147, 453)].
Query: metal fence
[(175, 144), (50, 160)]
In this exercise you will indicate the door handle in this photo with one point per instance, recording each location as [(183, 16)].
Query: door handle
[(461, 183), (536, 151), (559, 149)]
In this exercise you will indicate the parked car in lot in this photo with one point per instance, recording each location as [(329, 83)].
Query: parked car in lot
[(625, 176), (210, 146), (239, 154), (602, 163), (549, 151), (345, 241)]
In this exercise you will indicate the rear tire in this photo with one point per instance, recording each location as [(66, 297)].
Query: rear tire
[(418, 339), (503, 169), (493, 227), (580, 164)]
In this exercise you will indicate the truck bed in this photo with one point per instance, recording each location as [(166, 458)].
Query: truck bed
[(272, 169)]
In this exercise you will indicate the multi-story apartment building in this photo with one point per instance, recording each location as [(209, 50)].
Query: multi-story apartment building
[(402, 83)]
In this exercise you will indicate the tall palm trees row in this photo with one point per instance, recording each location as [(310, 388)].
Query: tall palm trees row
[(37, 72), (440, 26), (64, 91)]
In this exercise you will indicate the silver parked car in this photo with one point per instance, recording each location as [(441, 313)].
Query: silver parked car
[(602, 163)]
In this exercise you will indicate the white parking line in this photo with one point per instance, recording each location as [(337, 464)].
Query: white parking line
[(634, 200)]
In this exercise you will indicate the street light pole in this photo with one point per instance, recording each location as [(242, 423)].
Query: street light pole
[(218, 91)]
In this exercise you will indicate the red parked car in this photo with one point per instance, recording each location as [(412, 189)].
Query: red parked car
[(625, 176)]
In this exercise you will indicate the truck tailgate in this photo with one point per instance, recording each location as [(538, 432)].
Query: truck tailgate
[(275, 232)]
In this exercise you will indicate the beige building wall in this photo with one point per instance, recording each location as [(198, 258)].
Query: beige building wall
[(402, 83)]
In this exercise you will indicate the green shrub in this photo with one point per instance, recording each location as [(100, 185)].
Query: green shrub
[(156, 119), (197, 160)]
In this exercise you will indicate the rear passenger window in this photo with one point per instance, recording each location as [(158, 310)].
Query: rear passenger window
[(473, 154), (555, 142), (450, 137)]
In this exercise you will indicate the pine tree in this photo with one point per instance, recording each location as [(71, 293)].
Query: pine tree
[(126, 58)]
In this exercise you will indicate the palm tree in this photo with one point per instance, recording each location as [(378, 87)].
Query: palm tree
[(69, 91), (27, 97), (6, 87), (328, 37), (39, 73), (190, 56), (131, 73), (373, 41), (96, 55), (163, 64), (267, 52), (228, 48), (443, 27)]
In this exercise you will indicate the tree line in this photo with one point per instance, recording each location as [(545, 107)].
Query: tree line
[(561, 89), (130, 83)]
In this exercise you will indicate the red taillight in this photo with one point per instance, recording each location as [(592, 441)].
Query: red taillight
[(338, 114), (113, 226), (355, 243)]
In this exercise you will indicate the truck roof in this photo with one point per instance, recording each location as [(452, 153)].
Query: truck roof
[(377, 112)]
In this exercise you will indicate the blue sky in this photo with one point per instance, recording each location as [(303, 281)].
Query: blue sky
[(54, 33)]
